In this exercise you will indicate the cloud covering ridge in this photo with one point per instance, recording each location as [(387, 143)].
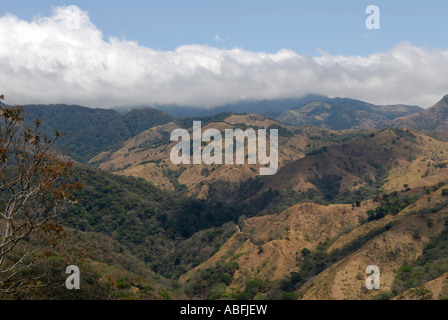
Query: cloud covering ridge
[(46, 60)]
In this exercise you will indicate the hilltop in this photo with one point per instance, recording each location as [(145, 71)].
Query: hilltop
[(147, 155), (89, 131), (344, 113), (433, 118)]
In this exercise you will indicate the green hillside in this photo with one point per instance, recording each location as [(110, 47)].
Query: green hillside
[(301, 233), (90, 131), (152, 223)]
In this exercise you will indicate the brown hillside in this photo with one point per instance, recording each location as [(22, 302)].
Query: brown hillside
[(389, 251), (433, 118), (267, 247), (436, 289), (147, 155), (354, 163)]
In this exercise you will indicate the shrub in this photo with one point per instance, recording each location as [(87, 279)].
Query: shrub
[(384, 296), (290, 296)]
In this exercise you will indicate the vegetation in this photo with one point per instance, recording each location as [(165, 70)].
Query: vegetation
[(188, 122), (343, 113), (134, 240), (33, 186), (313, 262), (391, 204), (90, 131), (430, 265), (211, 282)]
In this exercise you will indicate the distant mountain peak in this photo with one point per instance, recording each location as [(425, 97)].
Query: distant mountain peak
[(433, 118), (344, 113)]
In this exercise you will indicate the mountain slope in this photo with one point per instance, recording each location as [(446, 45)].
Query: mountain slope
[(311, 251), (147, 155), (314, 251), (268, 247), (413, 230), (90, 131), (266, 107), (433, 118), (159, 227), (108, 271), (341, 200), (344, 113), (354, 170)]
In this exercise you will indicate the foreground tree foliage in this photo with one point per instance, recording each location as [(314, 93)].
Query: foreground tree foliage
[(33, 185)]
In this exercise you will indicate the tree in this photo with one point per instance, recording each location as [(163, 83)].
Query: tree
[(33, 186), (306, 252)]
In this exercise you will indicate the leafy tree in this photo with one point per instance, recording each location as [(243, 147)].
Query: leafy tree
[(306, 252), (32, 187)]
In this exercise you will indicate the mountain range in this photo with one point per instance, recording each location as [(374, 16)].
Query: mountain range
[(357, 185), (92, 130), (433, 118)]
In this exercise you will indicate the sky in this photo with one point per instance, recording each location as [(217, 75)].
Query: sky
[(208, 52)]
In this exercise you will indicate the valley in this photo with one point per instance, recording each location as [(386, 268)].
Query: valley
[(344, 197)]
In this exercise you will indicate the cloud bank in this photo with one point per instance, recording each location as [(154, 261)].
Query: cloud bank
[(54, 60)]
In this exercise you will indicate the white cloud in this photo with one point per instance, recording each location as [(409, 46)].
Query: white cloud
[(48, 61)]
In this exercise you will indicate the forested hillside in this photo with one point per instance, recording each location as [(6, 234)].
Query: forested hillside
[(90, 131), (143, 228)]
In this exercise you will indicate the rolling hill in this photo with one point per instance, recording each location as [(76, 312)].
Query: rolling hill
[(344, 113), (341, 200), (147, 155), (90, 131), (267, 107), (314, 251)]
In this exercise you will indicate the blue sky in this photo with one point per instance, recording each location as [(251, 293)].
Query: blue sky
[(208, 52), (336, 27)]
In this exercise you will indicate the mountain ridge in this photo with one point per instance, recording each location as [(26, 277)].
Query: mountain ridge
[(344, 113), (341, 200), (433, 118), (91, 130)]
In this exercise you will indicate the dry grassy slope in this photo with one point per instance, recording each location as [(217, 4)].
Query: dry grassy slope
[(389, 251), (438, 290), (267, 246), (128, 160), (149, 135), (433, 118), (422, 171), (142, 159), (356, 161), (337, 113)]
